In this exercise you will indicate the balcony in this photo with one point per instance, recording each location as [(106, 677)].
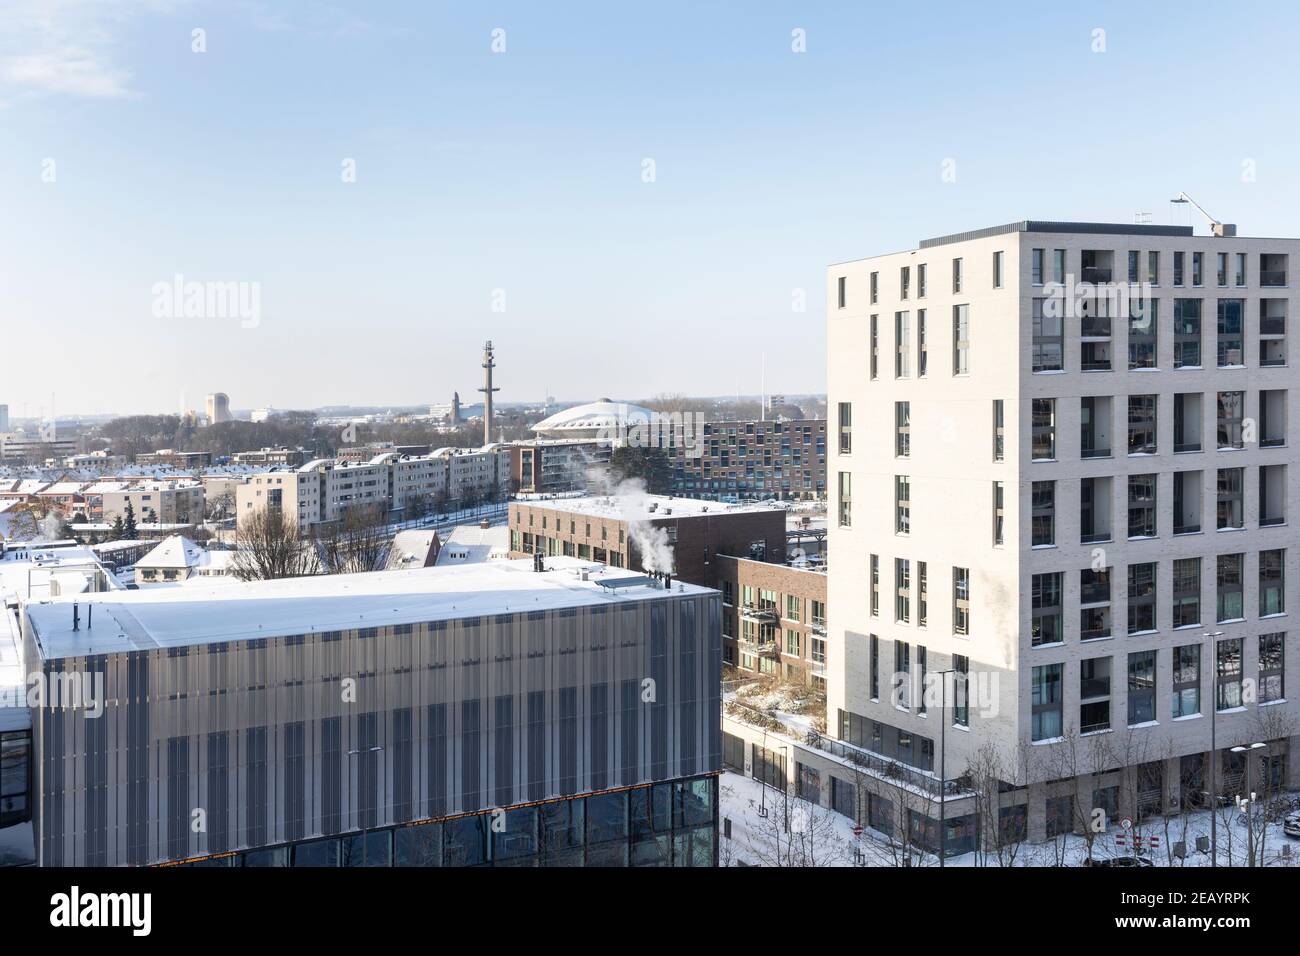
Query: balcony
[(1272, 324), (1272, 353), (1094, 595), (818, 626), (1272, 270), (1094, 689), (759, 613), (1095, 327), (1097, 724), (1095, 265)]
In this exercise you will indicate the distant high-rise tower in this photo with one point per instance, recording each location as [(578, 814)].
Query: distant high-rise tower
[(4, 418), (488, 364), (218, 408), (455, 408)]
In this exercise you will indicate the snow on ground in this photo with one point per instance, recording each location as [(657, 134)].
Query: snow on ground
[(818, 836), (796, 707)]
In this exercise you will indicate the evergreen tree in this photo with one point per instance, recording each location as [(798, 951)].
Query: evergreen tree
[(118, 530), (129, 530)]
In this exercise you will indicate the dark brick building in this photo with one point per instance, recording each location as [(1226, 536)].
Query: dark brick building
[(599, 528), (773, 619), (777, 459)]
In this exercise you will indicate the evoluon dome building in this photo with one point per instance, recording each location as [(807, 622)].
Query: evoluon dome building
[(603, 420), (574, 444)]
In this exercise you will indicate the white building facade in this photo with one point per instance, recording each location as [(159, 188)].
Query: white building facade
[(1062, 466)]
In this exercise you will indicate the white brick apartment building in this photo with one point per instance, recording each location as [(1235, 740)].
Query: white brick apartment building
[(1094, 509), (323, 490)]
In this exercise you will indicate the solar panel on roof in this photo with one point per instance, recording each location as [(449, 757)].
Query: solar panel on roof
[(615, 584)]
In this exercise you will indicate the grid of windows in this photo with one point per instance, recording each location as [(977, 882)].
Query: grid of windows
[(664, 824)]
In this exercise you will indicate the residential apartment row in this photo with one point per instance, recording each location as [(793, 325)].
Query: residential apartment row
[(764, 459), (783, 459), (1063, 476), (323, 490), (179, 501), (774, 619)]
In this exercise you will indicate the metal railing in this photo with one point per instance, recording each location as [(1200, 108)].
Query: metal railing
[(882, 766), (756, 613)]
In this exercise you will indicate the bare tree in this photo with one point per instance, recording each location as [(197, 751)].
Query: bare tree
[(902, 846), (1094, 759), (1263, 809), (268, 545), (1135, 750), (359, 541), (221, 506), (796, 833), (987, 773), (417, 506)]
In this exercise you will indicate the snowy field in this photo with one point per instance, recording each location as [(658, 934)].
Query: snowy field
[(818, 836)]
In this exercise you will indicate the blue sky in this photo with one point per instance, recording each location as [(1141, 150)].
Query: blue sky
[(521, 171)]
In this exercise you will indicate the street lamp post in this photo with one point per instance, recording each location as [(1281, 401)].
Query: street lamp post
[(1214, 752), (1247, 801), (785, 811), (943, 763)]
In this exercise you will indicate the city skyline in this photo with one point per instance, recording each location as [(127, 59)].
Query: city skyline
[(449, 183)]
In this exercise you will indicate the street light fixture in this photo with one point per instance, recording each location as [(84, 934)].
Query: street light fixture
[(1214, 750), (1247, 800), (943, 763), (785, 789)]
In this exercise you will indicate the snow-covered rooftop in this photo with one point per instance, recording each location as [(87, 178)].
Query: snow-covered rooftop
[(197, 615), (472, 544), (599, 415), (174, 551), (63, 488), (411, 548), (643, 507), (36, 568)]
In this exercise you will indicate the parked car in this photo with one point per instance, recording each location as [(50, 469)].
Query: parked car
[(1291, 825)]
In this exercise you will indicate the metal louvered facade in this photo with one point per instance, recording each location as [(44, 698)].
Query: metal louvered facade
[(215, 748)]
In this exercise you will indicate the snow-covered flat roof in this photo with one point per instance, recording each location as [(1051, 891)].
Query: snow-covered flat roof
[(643, 507), (197, 615), (31, 569), (63, 488), (105, 487), (467, 544)]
